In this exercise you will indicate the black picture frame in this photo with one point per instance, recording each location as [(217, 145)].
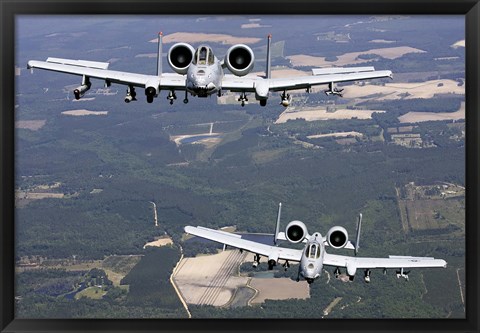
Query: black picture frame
[(11, 8)]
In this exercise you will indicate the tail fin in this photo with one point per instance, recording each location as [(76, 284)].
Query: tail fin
[(277, 228), (357, 239), (268, 70), (159, 54)]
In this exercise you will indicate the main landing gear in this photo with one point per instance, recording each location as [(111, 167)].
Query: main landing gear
[(256, 260), (286, 99), (332, 90), (171, 96), (131, 94), (402, 274), (367, 275)]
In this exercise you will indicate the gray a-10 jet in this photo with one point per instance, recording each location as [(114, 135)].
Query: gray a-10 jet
[(199, 73), (313, 257)]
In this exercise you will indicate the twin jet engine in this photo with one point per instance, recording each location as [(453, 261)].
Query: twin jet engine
[(239, 58), (296, 232)]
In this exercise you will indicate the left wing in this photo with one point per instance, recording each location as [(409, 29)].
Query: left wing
[(243, 244), (352, 263), (99, 70)]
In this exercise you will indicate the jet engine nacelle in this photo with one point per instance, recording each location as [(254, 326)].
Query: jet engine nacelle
[(337, 237), (180, 57), (239, 59), (296, 231)]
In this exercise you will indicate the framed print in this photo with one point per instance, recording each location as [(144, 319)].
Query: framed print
[(185, 166)]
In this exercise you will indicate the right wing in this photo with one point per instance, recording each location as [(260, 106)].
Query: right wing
[(99, 70), (302, 82), (243, 244)]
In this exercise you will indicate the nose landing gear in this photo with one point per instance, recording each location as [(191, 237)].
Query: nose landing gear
[(243, 98)]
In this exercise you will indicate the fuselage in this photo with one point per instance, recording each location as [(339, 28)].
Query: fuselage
[(311, 263), (205, 73)]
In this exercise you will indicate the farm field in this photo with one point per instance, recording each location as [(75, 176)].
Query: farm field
[(352, 58), (78, 113), (416, 117), (192, 37), (438, 208), (397, 90), (279, 289), (210, 280), (314, 114), (33, 125)]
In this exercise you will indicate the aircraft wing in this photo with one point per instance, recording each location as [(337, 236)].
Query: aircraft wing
[(250, 83), (390, 262), (99, 70), (303, 82), (243, 244)]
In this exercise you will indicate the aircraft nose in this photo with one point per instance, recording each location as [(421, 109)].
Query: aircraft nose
[(202, 85)]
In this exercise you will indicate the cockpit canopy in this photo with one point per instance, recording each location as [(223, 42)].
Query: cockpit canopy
[(312, 251), (203, 56)]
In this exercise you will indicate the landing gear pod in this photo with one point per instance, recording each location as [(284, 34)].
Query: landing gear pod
[(151, 90), (80, 91)]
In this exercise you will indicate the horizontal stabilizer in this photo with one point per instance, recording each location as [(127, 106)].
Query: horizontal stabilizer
[(79, 63), (341, 70)]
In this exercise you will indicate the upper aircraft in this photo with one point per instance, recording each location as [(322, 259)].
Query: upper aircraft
[(199, 73), (313, 256)]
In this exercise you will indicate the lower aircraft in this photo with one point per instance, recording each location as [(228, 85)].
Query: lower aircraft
[(314, 256)]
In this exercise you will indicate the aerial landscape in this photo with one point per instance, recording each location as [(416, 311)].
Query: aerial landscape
[(104, 188)]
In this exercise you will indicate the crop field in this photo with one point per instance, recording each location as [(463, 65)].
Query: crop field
[(33, 125), (397, 90), (416, 117), (352, 58), (278, 289), (78, 113), (428, 208), (313, 114), (189, 37), (210, 280)]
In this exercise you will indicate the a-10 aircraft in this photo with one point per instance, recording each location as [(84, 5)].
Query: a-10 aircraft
[(199, 73), (313, 257)]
